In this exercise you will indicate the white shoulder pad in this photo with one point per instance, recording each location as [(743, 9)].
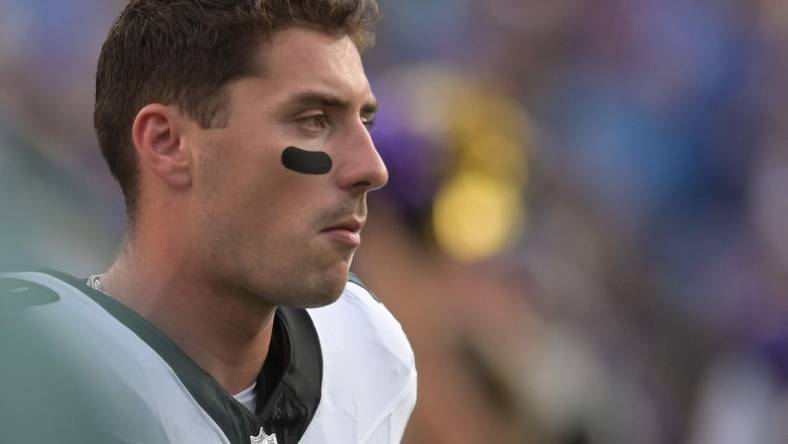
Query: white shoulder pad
[(369, 373)]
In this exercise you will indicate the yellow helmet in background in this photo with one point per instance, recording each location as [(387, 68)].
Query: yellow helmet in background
[(457, 150)]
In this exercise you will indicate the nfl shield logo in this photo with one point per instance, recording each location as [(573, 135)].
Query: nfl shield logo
[(262, 438)]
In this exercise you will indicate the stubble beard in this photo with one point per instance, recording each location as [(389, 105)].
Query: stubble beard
[(268, 272)]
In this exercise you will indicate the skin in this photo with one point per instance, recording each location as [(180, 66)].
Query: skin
[(225, 233)]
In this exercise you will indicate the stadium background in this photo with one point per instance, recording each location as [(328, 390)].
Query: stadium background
[(585, 230)]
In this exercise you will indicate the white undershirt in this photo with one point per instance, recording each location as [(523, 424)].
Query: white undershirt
[(248, 397)]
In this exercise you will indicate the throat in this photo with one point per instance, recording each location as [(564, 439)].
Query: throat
[(223, 335)]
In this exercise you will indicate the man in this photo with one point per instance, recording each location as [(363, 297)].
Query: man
[(238, 131)]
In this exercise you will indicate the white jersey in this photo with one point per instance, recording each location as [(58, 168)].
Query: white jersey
[(76, 366)]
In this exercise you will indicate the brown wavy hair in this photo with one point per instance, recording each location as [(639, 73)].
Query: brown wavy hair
[(184, 53)]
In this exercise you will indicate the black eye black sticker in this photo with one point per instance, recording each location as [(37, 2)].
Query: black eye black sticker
[(306, 162)]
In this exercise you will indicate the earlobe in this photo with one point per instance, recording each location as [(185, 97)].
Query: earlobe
[(157, 134)]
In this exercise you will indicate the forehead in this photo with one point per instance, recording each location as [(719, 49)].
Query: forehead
[(299, 58)]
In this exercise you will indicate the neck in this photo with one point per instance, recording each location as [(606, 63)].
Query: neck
[(226, 333)]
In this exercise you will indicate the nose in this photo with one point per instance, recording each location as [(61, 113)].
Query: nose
[(362, 169)]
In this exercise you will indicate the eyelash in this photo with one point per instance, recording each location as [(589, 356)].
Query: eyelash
[(320, 122), (369, 123)]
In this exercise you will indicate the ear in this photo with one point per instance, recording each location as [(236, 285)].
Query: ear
[(158, 137)]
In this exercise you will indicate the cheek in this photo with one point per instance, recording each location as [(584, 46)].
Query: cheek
[(252, 190), (271, 199), (301, 182)]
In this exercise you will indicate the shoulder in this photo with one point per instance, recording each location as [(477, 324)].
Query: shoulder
[(78, 372), (56, 375), (369, 367), (54, 302), (359, 318), (30, 286), (30, 297)]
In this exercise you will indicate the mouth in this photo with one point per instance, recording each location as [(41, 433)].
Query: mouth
[(347, 232)]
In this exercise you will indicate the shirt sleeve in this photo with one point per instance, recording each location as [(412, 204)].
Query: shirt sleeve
[(391, 427)]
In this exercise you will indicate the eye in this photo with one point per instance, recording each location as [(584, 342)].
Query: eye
[(315, 122), (368, 122)]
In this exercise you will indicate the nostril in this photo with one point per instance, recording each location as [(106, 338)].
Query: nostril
[(363, 183)]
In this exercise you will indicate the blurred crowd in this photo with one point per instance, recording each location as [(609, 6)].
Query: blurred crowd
[(585, 234)]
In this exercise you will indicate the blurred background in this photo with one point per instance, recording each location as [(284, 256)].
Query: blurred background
[(585, 234)]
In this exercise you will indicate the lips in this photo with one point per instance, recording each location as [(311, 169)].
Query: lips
[(347, 232), (352, 225)]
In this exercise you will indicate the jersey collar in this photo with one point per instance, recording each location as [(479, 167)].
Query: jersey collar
[(289, 384)]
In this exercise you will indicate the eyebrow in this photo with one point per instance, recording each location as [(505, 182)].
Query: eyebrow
[(328, 100)]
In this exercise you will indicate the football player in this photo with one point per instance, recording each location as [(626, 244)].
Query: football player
[(239, 133)]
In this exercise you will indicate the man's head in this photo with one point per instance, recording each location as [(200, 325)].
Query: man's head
[(185, 52), (196, 102)]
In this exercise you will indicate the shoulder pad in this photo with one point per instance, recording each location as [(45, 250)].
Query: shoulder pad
[(18, 294), (353, 277)]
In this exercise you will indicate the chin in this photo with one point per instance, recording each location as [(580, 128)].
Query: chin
[(322, 300), (315, 299), (319, 290)]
